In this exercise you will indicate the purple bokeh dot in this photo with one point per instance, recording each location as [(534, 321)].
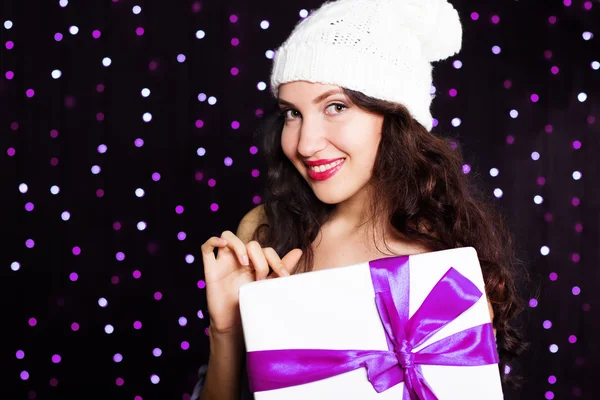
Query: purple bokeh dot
[(74, 326), (533, 303), (553, 276), (76, 250), (214, 207), (137, 325), (552, 379), (96, 34), (137, 274), (179, 209), (201, 284), (233, 18), (549, 395)]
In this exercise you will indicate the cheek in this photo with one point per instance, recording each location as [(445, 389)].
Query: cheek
[(288, 143)]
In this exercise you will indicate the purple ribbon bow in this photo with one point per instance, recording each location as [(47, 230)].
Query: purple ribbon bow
[(452, 295)]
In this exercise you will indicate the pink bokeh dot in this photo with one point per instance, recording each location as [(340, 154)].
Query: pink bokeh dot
[(116, 225), (100, 193), (11, 152), (548, 128), (198, 176), (495, 19), (541, 180), (54, 161), (53, 133), (74, 326), (32, 322), (549, 395), (212, 182), (53, 382), (555, 70), (214, 207), (201, 284), (572, 339), (139, 31), (119, 381), (235, 42), (474, 16), (233, 18), (96, 34), (510, 139), (548, 217), (9, 75), (157, 295), (552, 379), (579, 227), (179, 209), (575, 201), (185, 345), (76, 250), (199, 124), (137, 274), (235, 125), (575, 257), (552, 19), (255, 173), (587, 5), (553, 276), (30, 93), (137, 325), (256, 199)]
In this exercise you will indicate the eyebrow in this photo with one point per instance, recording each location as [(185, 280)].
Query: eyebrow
[(316, 100)]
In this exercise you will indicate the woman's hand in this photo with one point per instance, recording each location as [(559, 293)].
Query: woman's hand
[(236, 264)]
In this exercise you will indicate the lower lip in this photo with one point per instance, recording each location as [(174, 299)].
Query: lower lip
[(321, 176)]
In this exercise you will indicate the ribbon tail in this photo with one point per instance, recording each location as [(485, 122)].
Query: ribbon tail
[(418, 388)]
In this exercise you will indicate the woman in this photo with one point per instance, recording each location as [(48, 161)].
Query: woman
[(353, 168)]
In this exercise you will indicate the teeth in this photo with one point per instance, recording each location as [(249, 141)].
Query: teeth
[(325, 167)]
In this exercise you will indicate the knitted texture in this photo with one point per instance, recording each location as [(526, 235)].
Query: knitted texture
[(382, 48)]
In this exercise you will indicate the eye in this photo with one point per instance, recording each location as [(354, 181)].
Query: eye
[(290, 113), (337, 108)]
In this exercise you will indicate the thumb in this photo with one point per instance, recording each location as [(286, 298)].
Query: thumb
[(291, 259)]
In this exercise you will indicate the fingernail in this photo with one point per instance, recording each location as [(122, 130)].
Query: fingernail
[(245, 260)]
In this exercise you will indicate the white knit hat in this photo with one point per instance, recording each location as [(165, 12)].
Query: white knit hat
[(382, 48)]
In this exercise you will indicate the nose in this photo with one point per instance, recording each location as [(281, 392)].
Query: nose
[(311, 138)]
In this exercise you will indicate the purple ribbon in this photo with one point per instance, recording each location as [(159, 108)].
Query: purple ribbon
[(452, 295)]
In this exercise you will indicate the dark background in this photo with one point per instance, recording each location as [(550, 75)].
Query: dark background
[(103, 224)]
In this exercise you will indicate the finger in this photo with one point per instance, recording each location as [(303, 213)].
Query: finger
[(209, 246), (238, 247), (259, 261), (291, 259), (275, 262)]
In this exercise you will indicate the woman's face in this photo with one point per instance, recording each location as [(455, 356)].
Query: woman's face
[(321, 124)]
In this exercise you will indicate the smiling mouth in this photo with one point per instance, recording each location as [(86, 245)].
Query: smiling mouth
[(325, 167)]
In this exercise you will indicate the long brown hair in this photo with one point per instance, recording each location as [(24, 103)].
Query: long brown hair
[(421, 190)]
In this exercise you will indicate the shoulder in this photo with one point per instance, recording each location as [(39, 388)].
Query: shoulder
[(252, 220)]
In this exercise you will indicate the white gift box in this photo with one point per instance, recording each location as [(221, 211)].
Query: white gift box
[(335, 309)]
